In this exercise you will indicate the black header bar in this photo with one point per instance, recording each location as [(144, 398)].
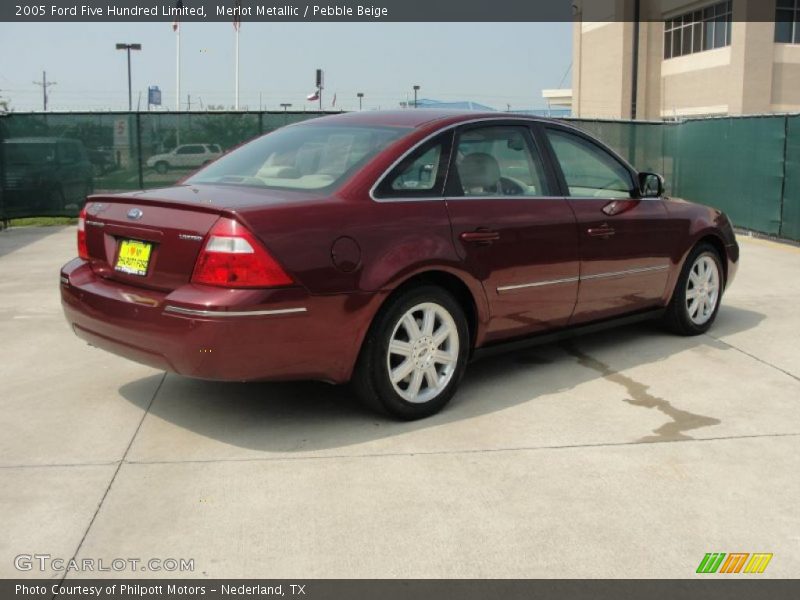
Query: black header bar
[(363, 10)]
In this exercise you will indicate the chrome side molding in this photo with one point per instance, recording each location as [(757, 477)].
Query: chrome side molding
[(508, 288), (626, 272), (636, 271), (195, 312)]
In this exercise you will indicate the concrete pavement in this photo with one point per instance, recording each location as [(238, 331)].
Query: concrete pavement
[(629, 453)]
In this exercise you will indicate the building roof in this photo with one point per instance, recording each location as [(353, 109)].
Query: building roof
[(444, 105)]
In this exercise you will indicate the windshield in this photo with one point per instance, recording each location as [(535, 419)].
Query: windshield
[(306, 157)]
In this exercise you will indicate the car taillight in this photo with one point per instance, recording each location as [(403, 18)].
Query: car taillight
[(233, 257), (83, 251)]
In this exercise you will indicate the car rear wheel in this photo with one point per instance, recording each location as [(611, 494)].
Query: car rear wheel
[(414, 355), (698, 292)]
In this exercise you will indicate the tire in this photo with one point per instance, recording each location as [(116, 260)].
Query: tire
[(162, 167), (415, 354), (702, 271)]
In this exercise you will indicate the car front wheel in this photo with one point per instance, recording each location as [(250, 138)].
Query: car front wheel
[(414, 355), (698, 293)]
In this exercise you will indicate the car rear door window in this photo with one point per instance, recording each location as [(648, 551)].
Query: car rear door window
[(589, 171), (421, 174), (498, 161)]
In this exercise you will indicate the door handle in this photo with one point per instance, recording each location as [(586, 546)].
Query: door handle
[(603, 231), (482, 237)]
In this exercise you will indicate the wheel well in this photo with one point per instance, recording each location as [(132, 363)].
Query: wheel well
[(452, 284), (720, 248)]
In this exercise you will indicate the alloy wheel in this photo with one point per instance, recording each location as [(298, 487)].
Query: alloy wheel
[(702, 289), (423, 352)]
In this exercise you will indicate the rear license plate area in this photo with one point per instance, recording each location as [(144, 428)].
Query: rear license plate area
[(133, 257)]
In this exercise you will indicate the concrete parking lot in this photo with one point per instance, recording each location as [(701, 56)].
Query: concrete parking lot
[(629, 453)]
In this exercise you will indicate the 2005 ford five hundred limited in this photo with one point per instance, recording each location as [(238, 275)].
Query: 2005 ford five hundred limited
[(387, 249)]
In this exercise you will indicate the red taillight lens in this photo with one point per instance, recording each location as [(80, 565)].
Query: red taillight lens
[(233, 257), (83, 251)]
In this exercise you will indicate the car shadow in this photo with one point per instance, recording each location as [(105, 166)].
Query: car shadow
[(309, 416)]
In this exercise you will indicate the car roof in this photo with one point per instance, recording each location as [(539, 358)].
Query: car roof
[(415, 118)]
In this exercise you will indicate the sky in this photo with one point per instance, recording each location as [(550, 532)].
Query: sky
[(497, 64)]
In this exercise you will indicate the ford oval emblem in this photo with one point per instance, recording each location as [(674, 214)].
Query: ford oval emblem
[(135, 213), (95, 207)]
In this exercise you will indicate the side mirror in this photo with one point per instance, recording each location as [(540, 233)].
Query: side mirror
[(651, 185)]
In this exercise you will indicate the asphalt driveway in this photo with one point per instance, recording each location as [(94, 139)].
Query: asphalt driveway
[(630, 453)]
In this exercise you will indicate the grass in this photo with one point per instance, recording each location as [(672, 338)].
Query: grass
[(42, 221)]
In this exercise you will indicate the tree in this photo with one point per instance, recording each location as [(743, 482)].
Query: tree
[(4, 105)]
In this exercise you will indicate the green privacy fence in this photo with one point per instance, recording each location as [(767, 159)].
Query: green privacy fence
[(49, 162), (747, 166), (790, 213)]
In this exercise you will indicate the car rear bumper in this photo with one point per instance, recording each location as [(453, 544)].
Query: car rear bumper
[(221, 334)]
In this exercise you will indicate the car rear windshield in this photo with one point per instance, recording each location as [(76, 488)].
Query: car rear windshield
[(302, 157)]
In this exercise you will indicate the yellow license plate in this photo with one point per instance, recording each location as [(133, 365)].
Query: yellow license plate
[(133, 257)]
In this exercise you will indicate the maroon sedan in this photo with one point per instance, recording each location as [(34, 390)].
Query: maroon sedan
[(387, 249)]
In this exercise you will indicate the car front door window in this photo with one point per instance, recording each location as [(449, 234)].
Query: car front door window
[(588, 170)]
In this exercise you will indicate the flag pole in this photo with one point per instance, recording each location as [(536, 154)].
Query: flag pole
[(237, 68), (176, 27), (178, 68)]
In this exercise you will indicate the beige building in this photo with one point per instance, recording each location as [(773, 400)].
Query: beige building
[(684, 58)]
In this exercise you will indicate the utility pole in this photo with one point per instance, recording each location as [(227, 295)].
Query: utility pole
[(45, 84)]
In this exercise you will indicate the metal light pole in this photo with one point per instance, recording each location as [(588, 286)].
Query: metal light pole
[(285, 105), (360, 98), (128, 48), (416, 89)]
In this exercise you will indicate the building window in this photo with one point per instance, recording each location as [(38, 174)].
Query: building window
[(787, 22), (699, 30)]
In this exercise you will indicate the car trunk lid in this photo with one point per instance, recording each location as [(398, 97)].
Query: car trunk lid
[(145, 244), (169, 224)]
